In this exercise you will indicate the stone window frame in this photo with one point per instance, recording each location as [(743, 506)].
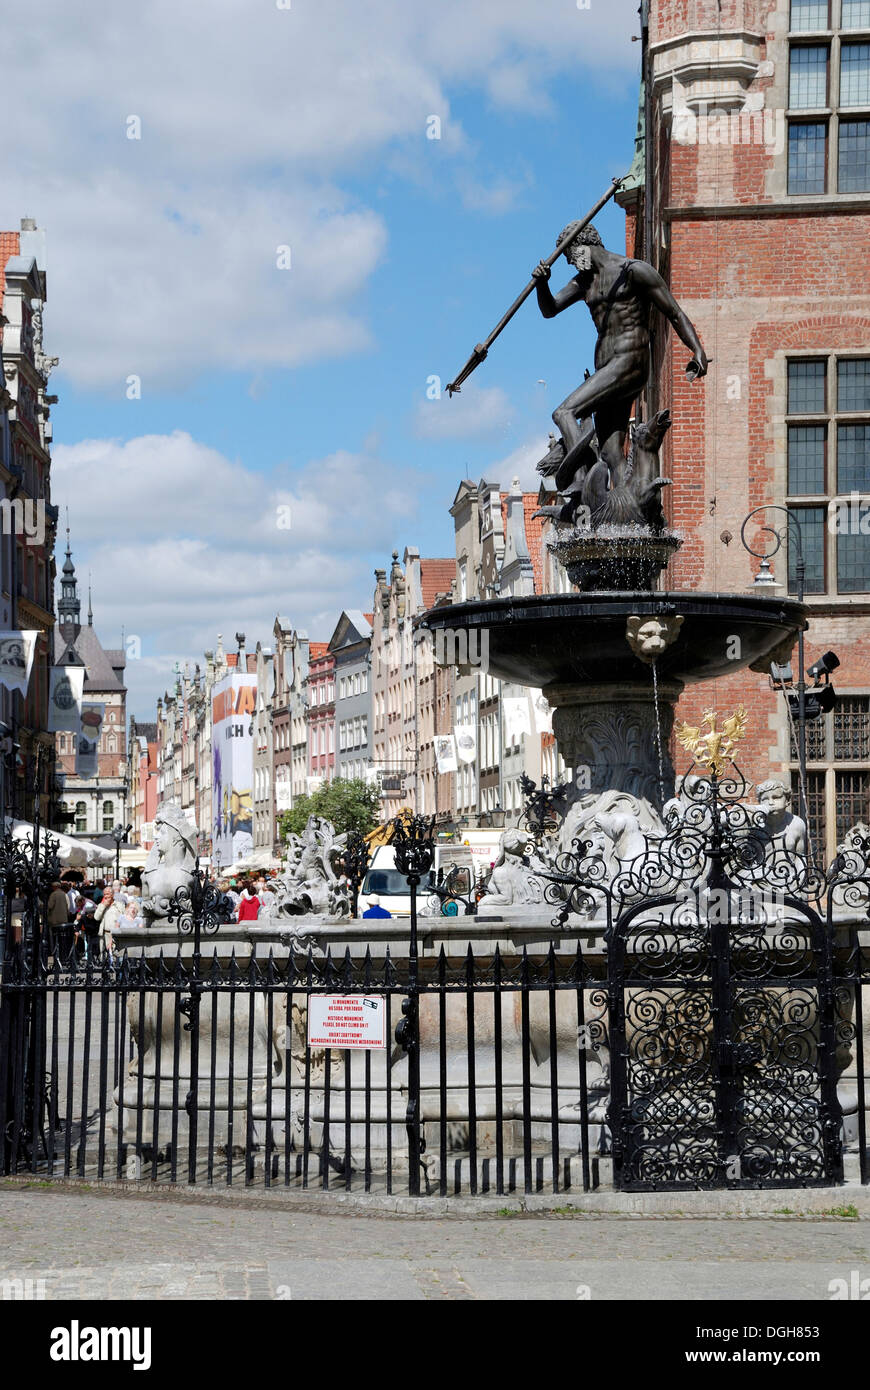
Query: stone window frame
[(833, 37), (831, 771), (830, 418)]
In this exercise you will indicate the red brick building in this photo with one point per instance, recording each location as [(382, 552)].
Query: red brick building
[(750, 193)]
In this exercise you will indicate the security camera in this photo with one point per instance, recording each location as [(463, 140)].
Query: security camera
[(826, 663)]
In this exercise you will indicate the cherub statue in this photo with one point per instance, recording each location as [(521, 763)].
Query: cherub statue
[(786, 830)]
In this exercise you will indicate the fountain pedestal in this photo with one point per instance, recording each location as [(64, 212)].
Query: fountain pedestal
[(619, 734)]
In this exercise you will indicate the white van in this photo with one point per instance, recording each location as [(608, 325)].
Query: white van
[(384, 881)]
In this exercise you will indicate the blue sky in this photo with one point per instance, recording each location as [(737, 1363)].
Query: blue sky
[(263, 386)]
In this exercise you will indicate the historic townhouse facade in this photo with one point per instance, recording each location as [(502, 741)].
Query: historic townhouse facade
[(751, 195), (263, 758), (289, 727), (500, 551), (429, 584), (350, 647), (142, 801), (29, 519), (394, 725), (184, 752), (320, 714)]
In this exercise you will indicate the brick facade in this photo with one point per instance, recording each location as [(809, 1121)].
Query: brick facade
[(768, 279)]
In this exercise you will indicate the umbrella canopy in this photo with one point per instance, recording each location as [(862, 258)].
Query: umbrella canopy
[(72, 853)]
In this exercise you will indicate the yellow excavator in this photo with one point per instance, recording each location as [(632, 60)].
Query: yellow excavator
[(382, 834)]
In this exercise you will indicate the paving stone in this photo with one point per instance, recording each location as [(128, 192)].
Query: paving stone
[(133, 1247)]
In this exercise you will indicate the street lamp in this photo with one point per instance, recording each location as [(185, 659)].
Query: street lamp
[(822, 697), (119, 833)]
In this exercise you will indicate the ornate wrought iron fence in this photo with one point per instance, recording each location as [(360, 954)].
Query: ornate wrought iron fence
[(197, 1068), (691, 1042)]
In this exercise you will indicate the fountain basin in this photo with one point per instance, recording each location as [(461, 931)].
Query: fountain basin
[(580, 639), (620, 558)]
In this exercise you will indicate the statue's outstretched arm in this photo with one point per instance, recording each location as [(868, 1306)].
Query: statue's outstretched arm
[(552, 304), (646, 278)]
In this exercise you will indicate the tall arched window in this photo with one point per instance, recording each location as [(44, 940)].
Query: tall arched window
[(81, 815), (108, 814)]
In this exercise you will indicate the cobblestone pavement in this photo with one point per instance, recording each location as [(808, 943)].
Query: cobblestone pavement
[(97, 1247)]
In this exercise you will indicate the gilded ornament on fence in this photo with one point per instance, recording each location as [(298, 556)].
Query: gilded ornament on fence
[(715, 747)]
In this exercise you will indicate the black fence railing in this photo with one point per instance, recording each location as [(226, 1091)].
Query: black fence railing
[(212, 1071), (683, 1050)]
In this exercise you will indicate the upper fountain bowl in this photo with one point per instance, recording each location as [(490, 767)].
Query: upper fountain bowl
[(580, 639)]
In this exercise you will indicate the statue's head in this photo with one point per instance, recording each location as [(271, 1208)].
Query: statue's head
[(514, 842), (650, 637), (773, 795), (171, 827), (577, 252)]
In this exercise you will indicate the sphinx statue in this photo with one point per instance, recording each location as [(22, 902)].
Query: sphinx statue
[(170, 863)]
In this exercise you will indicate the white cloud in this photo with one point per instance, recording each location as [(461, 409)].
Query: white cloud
[(162, 250), (519, 463), (475, 411), (175, 568)]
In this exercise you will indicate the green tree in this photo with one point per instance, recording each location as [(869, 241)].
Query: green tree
[(351, 804)]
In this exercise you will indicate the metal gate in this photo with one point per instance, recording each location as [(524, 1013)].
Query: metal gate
[(723, 1029)]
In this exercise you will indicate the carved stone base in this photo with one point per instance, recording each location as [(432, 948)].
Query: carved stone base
[(611, 731)]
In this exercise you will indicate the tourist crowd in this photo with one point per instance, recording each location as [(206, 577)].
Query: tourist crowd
[(86, 915), (247, 894)]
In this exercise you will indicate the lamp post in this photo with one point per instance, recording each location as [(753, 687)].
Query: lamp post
[(800, 578), (414, 845), (119, 834), (814, 706)]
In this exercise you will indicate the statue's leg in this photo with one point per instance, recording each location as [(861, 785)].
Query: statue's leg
[(611, 426), (616, 383), (571, 479)]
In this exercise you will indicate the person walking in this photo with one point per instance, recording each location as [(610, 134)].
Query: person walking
[(107, 914), (249, 906), (58, 917)]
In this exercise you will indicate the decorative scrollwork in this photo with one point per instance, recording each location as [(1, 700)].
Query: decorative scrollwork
[(713, 841), (413, 839), (848, 878), (545, 806), (199, 903)]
